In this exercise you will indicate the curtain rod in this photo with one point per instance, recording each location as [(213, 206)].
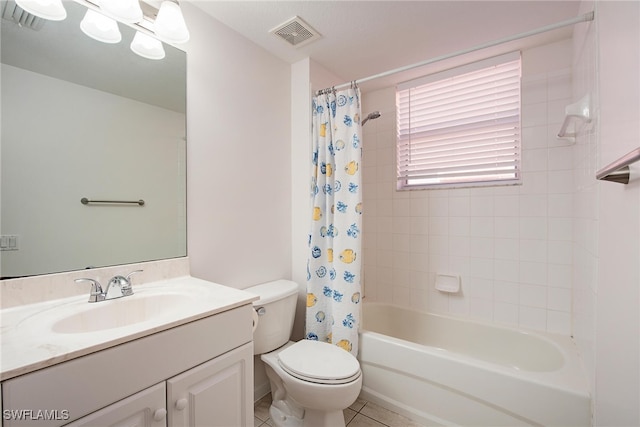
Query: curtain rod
[(589, 16)]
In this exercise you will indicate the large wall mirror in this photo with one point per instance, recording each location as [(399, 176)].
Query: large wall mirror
[(85, 119)]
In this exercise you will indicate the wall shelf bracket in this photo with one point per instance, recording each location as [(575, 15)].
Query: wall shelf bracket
[(576, 114)]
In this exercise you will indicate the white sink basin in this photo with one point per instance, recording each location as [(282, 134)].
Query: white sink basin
[(150, 305), (120, 312)]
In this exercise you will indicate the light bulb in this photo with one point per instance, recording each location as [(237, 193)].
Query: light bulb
[(147, 46), (127, 11), (170, 25), (100, 27)]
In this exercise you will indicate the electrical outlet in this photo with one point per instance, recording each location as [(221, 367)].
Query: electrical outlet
[(9, 243)]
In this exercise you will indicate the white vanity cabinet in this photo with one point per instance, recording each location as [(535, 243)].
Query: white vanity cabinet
[(143, 409), (213, 394), (197, 373)]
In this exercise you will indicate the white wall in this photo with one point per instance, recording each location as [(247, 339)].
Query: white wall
[(300, 177), (510, 245), (239, 158), (49, 166), (606, 64), (239, 126), (618, 292)]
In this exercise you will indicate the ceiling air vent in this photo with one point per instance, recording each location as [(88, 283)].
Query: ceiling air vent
[(296, 32), (14, 13)]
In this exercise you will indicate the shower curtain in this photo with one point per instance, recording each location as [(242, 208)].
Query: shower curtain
[(333, 266)]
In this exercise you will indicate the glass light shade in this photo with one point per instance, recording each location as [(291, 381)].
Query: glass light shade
[(127, 11), (147, 46), (100, 27), (170, 25), (52, 10)]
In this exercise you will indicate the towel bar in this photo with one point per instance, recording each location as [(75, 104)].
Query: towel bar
[(86, 201), (619, 171)]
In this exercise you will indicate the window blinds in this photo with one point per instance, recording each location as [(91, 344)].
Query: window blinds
[(461, 127)]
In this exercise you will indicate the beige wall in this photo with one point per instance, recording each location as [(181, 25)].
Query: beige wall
[(238, 157)]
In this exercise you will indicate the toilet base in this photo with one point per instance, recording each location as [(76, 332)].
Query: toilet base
[(323, 419), (280, 419), (311, 418)]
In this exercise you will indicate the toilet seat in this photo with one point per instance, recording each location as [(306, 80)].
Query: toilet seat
[(319, 362)]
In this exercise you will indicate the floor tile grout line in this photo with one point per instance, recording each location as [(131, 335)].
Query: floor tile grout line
[(364, 415)]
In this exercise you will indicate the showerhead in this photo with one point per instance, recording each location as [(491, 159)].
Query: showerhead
[(372, 116)]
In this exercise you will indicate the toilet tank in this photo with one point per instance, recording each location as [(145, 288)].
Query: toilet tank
[(276, 310)]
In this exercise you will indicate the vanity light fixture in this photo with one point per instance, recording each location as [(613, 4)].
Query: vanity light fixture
[(46, 9), (100, 27), (169, 24), (147, 46), (101, 21), (127, 11)]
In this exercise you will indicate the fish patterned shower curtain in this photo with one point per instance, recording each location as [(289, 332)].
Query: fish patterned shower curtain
[(335, 256)]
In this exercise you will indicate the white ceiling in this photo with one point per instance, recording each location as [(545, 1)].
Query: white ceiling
[(364, 38)]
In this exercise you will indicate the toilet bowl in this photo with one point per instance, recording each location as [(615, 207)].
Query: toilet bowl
[(311, 382)]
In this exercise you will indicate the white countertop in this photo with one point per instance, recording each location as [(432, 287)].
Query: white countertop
[(28, 343)]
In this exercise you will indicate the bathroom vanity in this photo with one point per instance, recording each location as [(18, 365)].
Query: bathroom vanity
[(177, 352)]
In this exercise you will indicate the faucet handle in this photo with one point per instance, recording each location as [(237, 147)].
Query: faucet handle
[(132, 273), (127, 289), (96, 290)]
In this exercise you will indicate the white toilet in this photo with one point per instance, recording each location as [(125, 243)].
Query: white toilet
[(312, 382)]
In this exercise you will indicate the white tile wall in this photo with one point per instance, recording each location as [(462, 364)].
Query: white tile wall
[(585, 213), (512, 246)]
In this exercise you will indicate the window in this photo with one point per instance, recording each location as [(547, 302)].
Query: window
[(461, 127)]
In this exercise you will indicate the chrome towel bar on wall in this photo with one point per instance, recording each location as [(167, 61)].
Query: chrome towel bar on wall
[(86, 201), (619, 171)]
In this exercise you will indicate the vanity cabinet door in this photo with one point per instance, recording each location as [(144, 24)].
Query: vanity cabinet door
[(216, 393), (143, 409)]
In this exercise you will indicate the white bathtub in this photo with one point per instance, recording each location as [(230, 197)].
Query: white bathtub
[(439, 370)]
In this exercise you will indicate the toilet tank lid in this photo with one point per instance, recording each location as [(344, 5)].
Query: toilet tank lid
[(273, 291)]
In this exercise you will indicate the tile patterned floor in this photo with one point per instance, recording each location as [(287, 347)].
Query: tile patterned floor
[(360, 414)]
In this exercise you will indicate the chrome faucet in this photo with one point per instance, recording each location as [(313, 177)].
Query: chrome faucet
[(122, 282), (96, 294)]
